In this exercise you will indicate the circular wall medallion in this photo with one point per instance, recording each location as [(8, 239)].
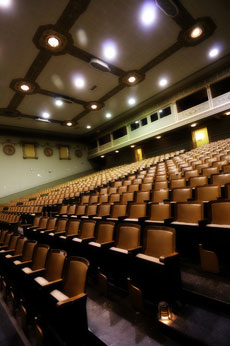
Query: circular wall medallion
[(78, 153), (9, 149), (48, 151)]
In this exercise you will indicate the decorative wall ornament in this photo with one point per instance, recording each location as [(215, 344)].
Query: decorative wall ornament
[(9, 149), (64, 153), (29, 151), (78, 153), (48, 151)]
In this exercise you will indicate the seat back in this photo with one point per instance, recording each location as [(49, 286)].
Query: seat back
[(7, 239), (13, 242), (63, 209), (61, 226), (80, 210), (221, 179), (43, 222), (159, 212), (181, 194), (103, 210), (93, 199), (128, 236), (91, 209), (226, 169), (161, 177), (72, 209), (160, 185), (209, 171), (19, 246), (192, 173), (127, 197), (103, 198), (133, 188), (114, 197), (28, 250), (73, 227), (160, 195), (36, 221), (75, 276), (189, 212), (118, 210), (207, 192), (136, 210), (3, 235), (198, 181), (220, 212), (39, 256), (87, 228), (159, 241), (142, 196), (51, 223), (104, 232), (54, 264), (177, 183)]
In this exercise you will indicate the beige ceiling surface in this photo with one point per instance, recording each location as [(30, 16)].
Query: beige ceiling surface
[(116, 20)]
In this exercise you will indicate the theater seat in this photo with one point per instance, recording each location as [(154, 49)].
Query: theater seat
[(158, 212), (207, 193), (209, 260), (198, 181)]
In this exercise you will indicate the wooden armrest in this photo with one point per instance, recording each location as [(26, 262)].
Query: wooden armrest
[(35, 272), (23, 264), (70, 301), (51, 285), (135, 250), (169, 257)]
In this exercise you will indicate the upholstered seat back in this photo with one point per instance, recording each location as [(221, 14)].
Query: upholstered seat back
[(159, 241), (128, 236), (189, 212)]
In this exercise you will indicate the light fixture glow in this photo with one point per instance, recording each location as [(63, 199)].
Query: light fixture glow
[(132, 146), (25, 87), (196, 32), (5, 3), (53, 42), (59, 103), (116, 151), (69, 123), (79, 82), (227, 113), (137, 122), (131, 101), (88, 126), (160, 111), (109, 50), (94, 106), (158, 137), (148, 13), (199, 136), (132, 79), (45, 115), (108, 115), (193, 125), (102, 156), (163, 82), (213, 52)]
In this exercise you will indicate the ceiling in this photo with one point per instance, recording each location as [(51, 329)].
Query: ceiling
[(154, 51)]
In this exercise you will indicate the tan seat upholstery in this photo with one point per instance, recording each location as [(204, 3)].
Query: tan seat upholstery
[(209, 260), (219, 214), (189, 213), (160, 195), (221, 179), (198, 181), (181, 194), (209, 171), (158, 212), (207, 192), (177, 183)]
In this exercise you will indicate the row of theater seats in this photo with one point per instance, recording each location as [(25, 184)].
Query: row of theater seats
[(47, 287)]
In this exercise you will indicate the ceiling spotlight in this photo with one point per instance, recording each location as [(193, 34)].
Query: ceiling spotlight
[(5, 3), (108, 115), (160, 111), (227, 113), (109, 50), (88, 126), (148, 13), (102, 156), (131, 101), (163, 82), (100, 65), (25, 87), (79, 82), (132, 146), (193, 125), (94, 106), (45, 115), (69, 123), (116, 151), (196, 32), (53, 41), (132, 79), (59, 103), (213, 52), (158, 137), (137, 122)]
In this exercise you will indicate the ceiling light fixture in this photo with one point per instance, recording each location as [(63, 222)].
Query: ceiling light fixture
[(227, 113), (5, 3), (53, 41), (100, 65), (44, 120), (160, 111), (137, 122), (79, 82), (158, 137), (163, 82), (116, 151), (131, 101), (196, 32), (102, 156), (109, 50), (45, 115), (69, 123), (131, 78), (193, 125), (59, 103), (148, 13), (108, 115), (213, 52), (88, 126), (94, 105), (132, 146), (25, 87)]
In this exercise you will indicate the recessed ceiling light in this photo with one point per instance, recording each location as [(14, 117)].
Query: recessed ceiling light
[(69, 123), (25, 87), (45, 115), (116, 151), (79, 82), (5, 3), (132, 146), (132, 79), (109, 50), (131, 101), (158, 137), (193, 125), (137, 122), (163, 82), (59, 103), (94, 106), (102, 156), (160, 111), (196, 32), (213, 52), (108, 115), (227, 113), (148, 13), (88, 126), (53, 41)]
